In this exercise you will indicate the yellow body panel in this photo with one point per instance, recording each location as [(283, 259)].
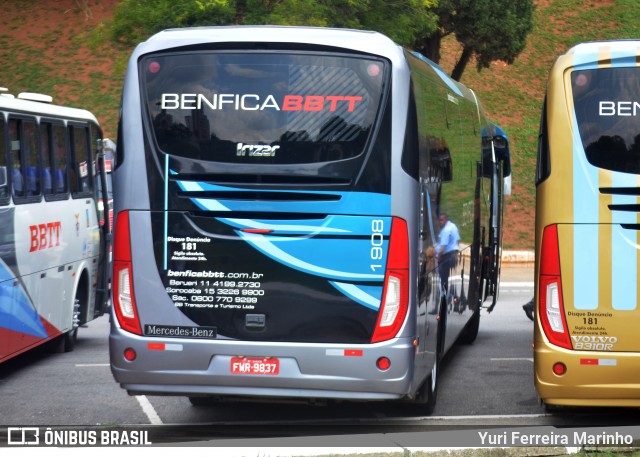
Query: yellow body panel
[(599, 245)]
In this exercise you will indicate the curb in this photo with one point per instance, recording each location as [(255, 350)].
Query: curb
[(524, 257)]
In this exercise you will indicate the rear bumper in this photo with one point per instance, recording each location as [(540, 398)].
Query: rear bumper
[(591, 378), (203, 367)]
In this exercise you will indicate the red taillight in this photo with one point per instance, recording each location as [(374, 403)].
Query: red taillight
[(383, 363), (559, 368), (395, 296), (551, 306), (124, 303), (130, 354)]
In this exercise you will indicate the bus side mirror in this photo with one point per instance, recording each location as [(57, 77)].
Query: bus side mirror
[(500, 142)]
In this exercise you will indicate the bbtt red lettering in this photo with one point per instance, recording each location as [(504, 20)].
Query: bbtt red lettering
[(34, 238), (317, 102), (44, 236), (292, 103), (314, 103), (333, 101), (352, 102)]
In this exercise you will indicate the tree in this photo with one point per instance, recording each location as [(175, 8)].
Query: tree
[(402, 20), (489, 29)]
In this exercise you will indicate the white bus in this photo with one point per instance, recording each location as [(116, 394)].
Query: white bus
[(52, 248)]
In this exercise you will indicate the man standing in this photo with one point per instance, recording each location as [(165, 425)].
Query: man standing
[(448, 247)]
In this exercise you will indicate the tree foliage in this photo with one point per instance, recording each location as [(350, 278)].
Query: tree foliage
[(402, 20), (487, 29)]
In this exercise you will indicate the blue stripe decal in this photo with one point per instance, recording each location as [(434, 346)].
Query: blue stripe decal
[(625, 57), (17, 313), (355, 203), (585, 207), (624, 274), (166, 209), (624, 252), (331, 225), (202, 203), (585, 57), (294, 254), (365, 295)]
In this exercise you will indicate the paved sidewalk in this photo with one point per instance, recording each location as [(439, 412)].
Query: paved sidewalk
[(517, 266)]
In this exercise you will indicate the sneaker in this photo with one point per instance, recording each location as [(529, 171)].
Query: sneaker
[(528, 309)]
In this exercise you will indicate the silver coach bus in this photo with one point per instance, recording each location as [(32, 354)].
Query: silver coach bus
[(277, 193)]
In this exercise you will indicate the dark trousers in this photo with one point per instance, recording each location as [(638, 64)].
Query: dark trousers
[(447, 263)]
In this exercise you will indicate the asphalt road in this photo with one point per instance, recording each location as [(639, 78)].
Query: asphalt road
[(489, 383)]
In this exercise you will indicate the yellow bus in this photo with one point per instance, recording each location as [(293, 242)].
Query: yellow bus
[(587, 339)]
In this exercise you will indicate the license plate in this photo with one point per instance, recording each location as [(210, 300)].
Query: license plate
[(254, 365)]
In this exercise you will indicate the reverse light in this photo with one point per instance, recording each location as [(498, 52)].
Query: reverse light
[(551, 306), (123, 297), (395, 296), (124, 294), (391, 302)]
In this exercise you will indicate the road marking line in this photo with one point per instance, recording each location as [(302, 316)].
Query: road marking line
[(516, 284), (147, 408), (513, 359), (145, 404)]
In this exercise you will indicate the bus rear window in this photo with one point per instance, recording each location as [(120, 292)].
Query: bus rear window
[(607, 106), (276, 107)]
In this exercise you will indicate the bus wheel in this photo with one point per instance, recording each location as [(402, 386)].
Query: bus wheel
[(70, 339), (203, 401), (429, 390), (425, 400), (65, 342), (470, 332)]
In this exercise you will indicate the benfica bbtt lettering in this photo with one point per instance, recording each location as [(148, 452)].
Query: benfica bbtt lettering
[(253, 102)]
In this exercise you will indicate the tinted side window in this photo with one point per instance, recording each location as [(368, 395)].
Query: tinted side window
[(25, 162), (54, 159), (543, 166), (80, 180), (46, 148), (4, 180), (96, 134), (31, 158), (60, 162)]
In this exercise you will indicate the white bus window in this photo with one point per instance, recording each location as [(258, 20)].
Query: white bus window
[(81, 159), (17, 175), (4, 184), (60, 181), (45, 147), (31, 158)]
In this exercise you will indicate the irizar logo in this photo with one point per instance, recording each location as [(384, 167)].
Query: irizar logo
[(255, 150)]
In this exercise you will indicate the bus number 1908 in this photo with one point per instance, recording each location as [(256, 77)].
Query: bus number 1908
[(377, 240)]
